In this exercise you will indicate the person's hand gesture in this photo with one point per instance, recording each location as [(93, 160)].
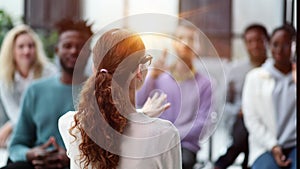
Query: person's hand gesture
[(279, 157), (160, 65), (155, 105)]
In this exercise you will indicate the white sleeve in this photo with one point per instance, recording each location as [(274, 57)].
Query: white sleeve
[(64, 124), (256, 127), (172, 158)]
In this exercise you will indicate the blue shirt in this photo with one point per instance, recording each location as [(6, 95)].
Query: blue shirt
[(44, 102)]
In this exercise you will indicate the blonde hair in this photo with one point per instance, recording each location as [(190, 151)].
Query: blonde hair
[(7, 62)]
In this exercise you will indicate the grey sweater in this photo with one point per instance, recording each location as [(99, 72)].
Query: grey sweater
[(285, 105)]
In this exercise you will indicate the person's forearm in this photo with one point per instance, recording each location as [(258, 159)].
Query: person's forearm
[(18, 153), (5, 132)]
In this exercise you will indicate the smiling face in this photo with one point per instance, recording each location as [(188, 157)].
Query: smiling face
[(281, 47), (68, 49), (24, 51)]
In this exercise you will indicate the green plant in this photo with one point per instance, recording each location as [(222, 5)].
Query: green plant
[(5, 24), (49, 39)]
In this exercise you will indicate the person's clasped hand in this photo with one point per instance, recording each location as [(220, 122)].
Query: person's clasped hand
[(279, 157), (41, 158)]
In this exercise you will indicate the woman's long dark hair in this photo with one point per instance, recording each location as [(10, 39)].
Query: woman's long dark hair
[(99, 105)]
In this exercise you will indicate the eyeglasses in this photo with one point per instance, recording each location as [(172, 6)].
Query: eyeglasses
[(145, 62)]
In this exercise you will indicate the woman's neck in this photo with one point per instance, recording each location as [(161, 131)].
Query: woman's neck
[(24, 71)]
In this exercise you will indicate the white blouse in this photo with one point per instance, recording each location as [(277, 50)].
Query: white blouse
[(11, 96), (148, 143)]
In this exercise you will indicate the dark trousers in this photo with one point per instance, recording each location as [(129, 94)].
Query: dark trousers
[(188, 158), (18, 165), (239, 145)]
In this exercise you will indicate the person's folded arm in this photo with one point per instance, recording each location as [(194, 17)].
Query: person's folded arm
[(24, 134)]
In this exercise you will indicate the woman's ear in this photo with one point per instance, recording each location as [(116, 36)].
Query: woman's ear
[(139, 74)]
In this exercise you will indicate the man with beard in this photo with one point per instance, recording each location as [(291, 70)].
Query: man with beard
[(36, 142), (256, 40)]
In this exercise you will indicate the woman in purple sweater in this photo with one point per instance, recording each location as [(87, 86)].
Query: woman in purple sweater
[(189, 93)]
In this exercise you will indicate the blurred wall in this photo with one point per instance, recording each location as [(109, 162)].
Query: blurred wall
[(266, 12), (103, 12), (15, 8)]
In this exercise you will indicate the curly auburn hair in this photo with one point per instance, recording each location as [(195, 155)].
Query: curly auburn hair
[(98, 105)]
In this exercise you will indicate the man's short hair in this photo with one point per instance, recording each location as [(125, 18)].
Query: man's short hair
[(76, 25), (258, 27)]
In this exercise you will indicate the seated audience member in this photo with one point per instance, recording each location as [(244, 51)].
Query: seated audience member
[(256, 40), (188, 91), (36, 142), (22, 60), (107, 131), (269, 106)]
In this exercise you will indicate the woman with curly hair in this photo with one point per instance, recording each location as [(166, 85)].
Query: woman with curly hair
[(107, 132), (22, 60)]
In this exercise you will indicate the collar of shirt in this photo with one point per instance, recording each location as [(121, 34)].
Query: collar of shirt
[(19, 78)]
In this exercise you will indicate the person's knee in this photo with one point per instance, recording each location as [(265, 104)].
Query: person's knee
[(188, 159), (19, 165), (293, 157), (188, 164), (265, 166), (265, 161)]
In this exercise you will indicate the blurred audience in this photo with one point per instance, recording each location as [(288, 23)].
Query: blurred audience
[(188, 91), (22, 60), (36, 142), (269, 106), (256, 41)]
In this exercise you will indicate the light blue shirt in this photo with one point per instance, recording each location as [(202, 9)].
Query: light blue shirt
[(44, 102)]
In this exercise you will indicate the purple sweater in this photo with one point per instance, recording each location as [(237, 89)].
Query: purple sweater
[(191, 103)]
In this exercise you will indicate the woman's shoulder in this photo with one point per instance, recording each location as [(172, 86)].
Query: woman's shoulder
[(66, 120), (165, 126), (68, 116)]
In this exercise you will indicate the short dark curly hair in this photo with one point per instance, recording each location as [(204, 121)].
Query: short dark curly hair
[(258, 27), (288, 28), (77, 25)]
